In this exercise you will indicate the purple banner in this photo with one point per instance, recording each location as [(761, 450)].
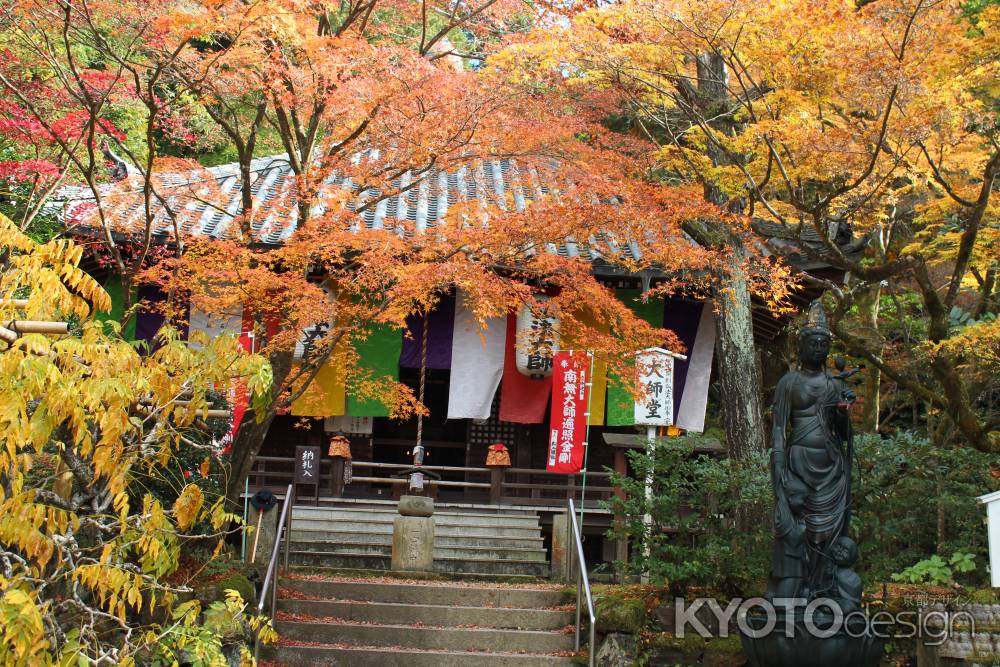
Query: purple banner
[(681, 316), (149, 319), (441, 329)]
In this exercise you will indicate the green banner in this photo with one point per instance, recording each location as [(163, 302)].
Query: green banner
[(621, 409), (113, 285), (379, 355)]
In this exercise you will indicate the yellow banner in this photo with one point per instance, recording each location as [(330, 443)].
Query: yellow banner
[(599, 378), (324, 397)]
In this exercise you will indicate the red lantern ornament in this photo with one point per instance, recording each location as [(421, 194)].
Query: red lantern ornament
[(498, 456)]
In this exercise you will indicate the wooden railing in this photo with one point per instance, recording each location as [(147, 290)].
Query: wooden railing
[(506, 486)]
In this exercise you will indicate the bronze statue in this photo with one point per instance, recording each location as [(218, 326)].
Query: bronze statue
[(789, 557), (813, 446), (813, 555)]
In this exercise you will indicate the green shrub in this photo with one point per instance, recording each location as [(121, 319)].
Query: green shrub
[(711, 517), (935, 571), (913, 500)]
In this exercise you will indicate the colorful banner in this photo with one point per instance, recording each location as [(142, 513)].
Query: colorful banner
[(655, 406), (537, 341), (523, 400), (568, 421), (621, 410), (379, 355), (477, 363), (440, 334), (113, 285), (149, 319), (238, 396), (325, 395), (213, 325), (694, 379), (599, 375)]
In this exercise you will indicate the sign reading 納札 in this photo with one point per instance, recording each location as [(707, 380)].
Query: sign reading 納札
[(655, 403), (307, 465)]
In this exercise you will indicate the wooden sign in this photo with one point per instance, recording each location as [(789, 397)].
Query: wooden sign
[(655, 404), (307, 465)]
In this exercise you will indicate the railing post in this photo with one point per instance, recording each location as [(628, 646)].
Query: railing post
[(288, 527), (337, 477), (579, 594), (496, 485)]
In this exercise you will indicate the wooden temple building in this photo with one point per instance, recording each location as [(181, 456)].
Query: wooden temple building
[(457, 435)]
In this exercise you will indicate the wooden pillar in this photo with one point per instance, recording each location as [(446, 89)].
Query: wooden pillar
[(496, 485), (337, 477), (621, 545)]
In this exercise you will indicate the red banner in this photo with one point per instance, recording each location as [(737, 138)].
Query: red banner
[(568, 425)]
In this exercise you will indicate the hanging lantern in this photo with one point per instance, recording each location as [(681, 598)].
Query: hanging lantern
[(537, 340), (498, 456), (340, 446)]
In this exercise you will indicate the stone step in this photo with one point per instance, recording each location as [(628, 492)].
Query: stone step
[(392, 505), (459, 551), (534, 596), (477, 539), (385, 526), (375, 657), (392, 508), (483, 578), (422, 637), (447, 565), (400, 613), (387, 516)]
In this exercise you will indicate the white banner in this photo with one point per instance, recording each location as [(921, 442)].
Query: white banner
[(213, 325), (694, 400), (311, 337), (537, 341), (477, 356)]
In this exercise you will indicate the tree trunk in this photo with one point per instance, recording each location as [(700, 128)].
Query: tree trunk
[(252, 432), (739, 371), (739, 374), (868, 310)]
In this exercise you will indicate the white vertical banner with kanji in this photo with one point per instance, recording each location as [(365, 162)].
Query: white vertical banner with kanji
[(537, 341), (655, 404), (568, 421)]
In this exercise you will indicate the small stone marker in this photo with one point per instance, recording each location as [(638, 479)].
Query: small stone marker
[(413, 535), (992, 502)]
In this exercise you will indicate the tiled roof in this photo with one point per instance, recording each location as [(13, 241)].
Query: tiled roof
[(205, 202)]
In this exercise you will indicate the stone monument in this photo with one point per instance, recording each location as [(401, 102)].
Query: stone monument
[(815, 595), (413, 535)]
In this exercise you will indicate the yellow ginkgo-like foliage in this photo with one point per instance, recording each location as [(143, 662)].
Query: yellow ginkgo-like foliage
[(82, 565), (862, 135)]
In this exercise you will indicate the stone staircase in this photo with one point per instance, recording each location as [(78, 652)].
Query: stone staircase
[(410, 623), (500, 543)]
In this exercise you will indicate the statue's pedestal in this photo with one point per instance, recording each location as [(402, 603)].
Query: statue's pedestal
[(850, 644), (413, 535)]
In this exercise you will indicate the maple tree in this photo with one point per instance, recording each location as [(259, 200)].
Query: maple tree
[(372, 95), (825, 121), (85, 556)]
